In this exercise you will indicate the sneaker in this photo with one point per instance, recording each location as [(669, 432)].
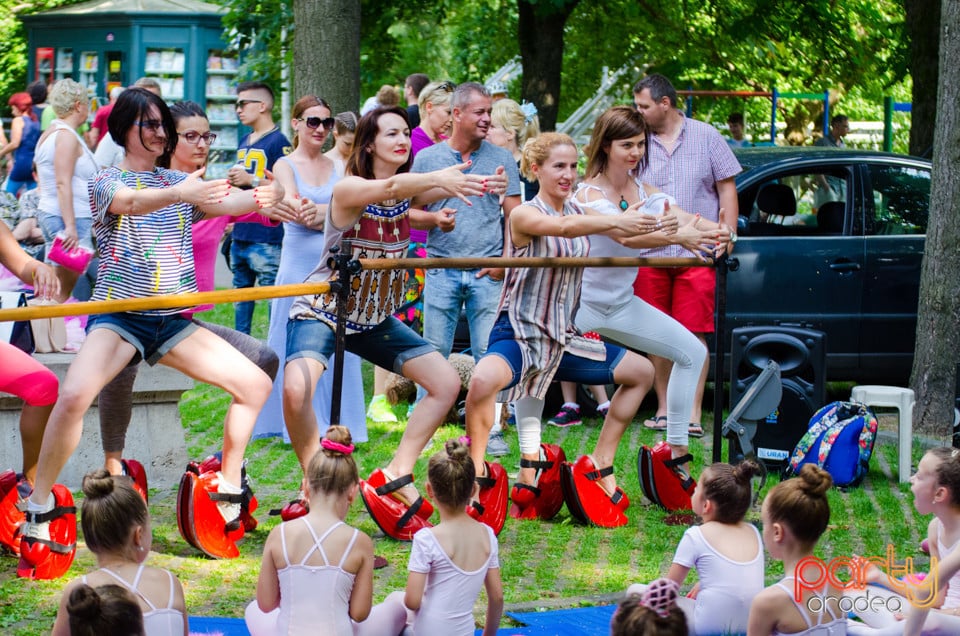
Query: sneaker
[(602, 409), (36, 533), (497, 446), (568, 416), (379, 410)]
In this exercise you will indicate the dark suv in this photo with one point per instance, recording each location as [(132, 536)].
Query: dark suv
[(833, 239)]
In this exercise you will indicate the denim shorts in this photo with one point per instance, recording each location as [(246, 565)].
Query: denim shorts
[(388, 345), (50, 224), (153, 336), (572, 368)]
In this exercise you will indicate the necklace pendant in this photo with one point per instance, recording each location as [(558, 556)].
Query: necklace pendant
[(623, 203)]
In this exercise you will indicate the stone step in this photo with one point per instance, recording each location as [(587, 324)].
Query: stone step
[(155, 437)]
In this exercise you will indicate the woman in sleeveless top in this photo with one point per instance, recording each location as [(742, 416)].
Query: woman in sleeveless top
[(24, 132), (534, 340), (370, 214), (316, 570), (615, 155), (64, 165), (116, 528), (308, 176)]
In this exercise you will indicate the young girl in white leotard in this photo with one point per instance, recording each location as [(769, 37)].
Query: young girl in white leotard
[(451, 561), (317, 572), (116, 528), (725, 550), (936, 490), (795, 514)]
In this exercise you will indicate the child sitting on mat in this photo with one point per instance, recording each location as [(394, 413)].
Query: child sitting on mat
[(652, 613), (725, 550), (795, 514), (317, 572), (116, 528)]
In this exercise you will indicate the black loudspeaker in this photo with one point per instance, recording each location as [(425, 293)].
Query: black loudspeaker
[(802, 356)]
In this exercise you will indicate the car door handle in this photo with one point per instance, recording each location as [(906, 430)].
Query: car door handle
[(845, 266)]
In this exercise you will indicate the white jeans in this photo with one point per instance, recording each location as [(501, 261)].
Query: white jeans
[(640, 326)]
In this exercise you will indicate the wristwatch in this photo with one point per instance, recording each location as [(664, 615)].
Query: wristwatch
[(255, 183), (733, 237)]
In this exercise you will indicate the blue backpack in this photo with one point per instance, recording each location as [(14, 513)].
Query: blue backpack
[(840, 440)]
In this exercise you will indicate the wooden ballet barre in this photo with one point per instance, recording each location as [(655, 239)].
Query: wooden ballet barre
[(170, 301), (517, 261), (187, 301)]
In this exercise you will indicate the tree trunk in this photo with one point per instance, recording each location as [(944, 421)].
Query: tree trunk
[(923, 28), (938, 320), (326, 52), (540, 35)]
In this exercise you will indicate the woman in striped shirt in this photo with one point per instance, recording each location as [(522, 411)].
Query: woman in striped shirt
[(143, 217)]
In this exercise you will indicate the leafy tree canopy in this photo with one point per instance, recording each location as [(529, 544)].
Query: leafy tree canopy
[(857, 49)]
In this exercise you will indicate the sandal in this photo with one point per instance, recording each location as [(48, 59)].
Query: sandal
[(587, 499), (490, 507), (387, 484), (658, 423), (544, 497), (392, 514), (694, 430)]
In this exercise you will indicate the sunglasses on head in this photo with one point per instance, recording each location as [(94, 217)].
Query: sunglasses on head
[(315, 122), (448, 87), (243, 102), (192, 137)]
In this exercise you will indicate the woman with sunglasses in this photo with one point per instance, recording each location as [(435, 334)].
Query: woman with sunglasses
[(308, 176), (143, 220), (64, 164), (194, 141)]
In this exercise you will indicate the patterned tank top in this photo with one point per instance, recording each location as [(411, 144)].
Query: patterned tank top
[(382, 231)]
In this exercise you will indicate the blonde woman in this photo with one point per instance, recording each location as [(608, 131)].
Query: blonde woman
[(64, 165), (435, 117), (308, 176), (511, 125)]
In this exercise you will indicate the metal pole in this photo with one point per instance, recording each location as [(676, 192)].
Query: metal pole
[(720, 300), (345, 267), (773, 116), (888, 124)]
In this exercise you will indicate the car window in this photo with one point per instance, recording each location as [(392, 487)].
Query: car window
[(901, 200), (810, 202)]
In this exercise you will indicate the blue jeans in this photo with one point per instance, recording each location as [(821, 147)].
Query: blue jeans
[(388, 345), (445, 292), (253, 263)]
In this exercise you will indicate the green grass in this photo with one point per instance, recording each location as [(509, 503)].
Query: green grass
[(544, 564)]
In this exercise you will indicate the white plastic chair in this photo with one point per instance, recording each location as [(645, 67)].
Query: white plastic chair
[(902, 400)]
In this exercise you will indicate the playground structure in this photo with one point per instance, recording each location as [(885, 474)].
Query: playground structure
[(613, 84)]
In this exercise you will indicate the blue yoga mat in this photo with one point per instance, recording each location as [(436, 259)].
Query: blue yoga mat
[(581, 621), (211, 625)]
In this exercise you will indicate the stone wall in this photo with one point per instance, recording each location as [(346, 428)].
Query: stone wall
[(155, 437)]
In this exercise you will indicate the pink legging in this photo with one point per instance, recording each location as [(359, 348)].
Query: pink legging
[(25, 377)]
